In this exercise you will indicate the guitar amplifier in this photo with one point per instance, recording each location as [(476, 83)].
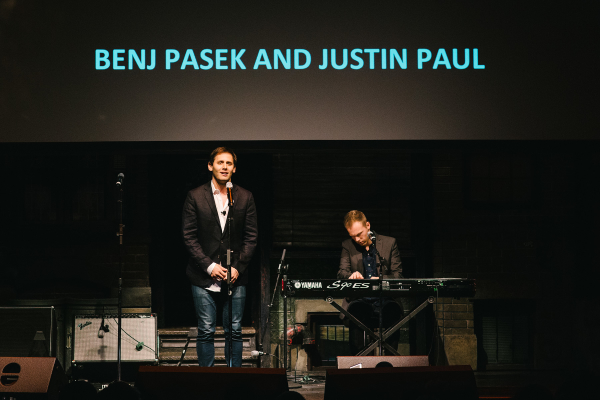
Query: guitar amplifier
[(95, 338)]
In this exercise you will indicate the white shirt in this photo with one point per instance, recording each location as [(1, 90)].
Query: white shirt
[(222, 211)]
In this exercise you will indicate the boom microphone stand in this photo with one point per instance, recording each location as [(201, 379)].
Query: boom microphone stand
[(282, 268)]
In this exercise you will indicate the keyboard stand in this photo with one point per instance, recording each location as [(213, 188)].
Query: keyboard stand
[(388, 332)]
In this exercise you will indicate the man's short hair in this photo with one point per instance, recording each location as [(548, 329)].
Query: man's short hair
[(221, 150), (354, 216)]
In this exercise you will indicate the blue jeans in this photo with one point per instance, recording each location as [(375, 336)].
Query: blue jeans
[(206, 303)]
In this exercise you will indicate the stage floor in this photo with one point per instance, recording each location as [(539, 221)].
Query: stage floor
[(490, 384)]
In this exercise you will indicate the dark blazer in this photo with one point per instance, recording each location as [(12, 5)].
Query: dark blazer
[(206, 243), (352, 261)]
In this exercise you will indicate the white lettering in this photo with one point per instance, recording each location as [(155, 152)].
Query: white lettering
[(311, 285), (334, 285)]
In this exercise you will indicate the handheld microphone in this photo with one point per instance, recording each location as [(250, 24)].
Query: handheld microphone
[(229, 185), (372, 236), (256, 353), (120, 179), (103, 328)]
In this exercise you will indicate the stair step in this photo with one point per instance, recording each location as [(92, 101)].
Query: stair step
[(183, 331), (177, 338), (173, 340), (172, 355), (219, 343)]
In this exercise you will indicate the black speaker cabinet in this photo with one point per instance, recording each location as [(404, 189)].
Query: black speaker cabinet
[(382, 361), (31, 375), (409, 383), (192, 383), (27, 332)]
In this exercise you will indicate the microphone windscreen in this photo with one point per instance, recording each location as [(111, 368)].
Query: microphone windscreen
[(229, 185)]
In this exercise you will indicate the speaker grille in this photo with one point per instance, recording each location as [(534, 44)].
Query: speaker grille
[(138, 338)]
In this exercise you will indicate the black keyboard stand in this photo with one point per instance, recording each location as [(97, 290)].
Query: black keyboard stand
[(388, 332)]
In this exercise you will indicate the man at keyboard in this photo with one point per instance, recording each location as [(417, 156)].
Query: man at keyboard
[(359, 260)]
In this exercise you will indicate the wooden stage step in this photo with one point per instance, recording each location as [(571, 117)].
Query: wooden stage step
[(172, 342)]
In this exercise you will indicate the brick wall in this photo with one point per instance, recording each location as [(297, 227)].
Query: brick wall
[(64, 242), (527, 251)]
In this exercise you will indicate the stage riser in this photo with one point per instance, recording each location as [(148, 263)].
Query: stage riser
[(448, 382), (192, 383)]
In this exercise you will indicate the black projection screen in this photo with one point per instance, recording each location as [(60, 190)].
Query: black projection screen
[(530, 74)]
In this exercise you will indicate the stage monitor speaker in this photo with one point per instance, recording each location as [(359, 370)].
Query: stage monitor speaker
[(31, 375), (27, 332), (95, 338), (381, 361), (409, 383), (192, 383)]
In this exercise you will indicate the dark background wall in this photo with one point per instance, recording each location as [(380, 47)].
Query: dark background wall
[(520, 217)]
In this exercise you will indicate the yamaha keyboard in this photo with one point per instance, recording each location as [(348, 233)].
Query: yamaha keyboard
[(437, 287)]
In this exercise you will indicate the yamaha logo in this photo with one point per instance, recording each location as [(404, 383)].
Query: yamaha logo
[(308, 285)]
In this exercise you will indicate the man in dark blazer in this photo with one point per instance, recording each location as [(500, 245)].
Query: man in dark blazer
[(359, 260), (206, 233)]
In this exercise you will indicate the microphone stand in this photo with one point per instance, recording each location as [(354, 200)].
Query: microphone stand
[(282, 268), (380, 306), (381, 264), (284, 295), (229, 288), (120, 291)]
